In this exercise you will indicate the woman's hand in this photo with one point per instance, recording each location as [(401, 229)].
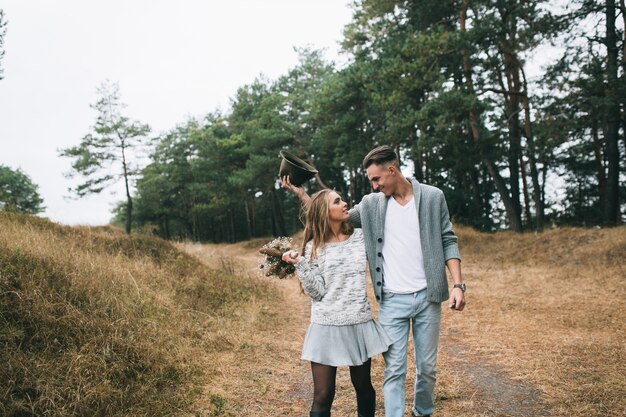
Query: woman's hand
[(291, 257), (285, 182)]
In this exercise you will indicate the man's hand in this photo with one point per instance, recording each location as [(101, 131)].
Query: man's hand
[(457, 299), (285, 182)]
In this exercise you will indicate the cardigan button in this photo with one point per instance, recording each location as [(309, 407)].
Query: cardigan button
[(378, 269), (379, 283), (378, 297), (380, 239), (380, 254)]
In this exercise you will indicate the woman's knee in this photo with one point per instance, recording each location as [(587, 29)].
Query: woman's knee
[(324, 396), (363, 388), (362, 381)]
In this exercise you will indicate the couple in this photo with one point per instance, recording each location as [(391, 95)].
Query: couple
[(406, 235)]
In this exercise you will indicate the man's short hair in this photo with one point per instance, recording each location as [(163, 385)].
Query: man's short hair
[(379, 156)]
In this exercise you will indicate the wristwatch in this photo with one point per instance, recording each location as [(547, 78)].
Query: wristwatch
[(461, 286)]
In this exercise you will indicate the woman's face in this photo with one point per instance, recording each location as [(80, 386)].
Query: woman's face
[(337, 208)]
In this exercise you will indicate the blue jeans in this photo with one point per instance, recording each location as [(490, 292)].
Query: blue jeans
[(397, 314)]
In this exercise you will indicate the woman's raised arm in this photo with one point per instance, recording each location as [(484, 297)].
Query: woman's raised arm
[(298, 191)]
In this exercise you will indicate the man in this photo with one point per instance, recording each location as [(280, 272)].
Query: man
[(409, 242)]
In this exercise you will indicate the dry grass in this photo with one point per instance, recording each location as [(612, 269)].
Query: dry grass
[(542, 334), (263, 374), (93, 322), (546, 310)]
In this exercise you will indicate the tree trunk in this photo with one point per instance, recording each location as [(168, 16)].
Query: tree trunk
[(190, 227), (511, 99), (280, 220), (487, 192), (195, 233), (248, 214), (231, 230), (426, 171), (129, 213), (475, 187), (352, 188), (511, 211), (417, 168), (611, 208), (522, 165), (417, 159), (532, 159), (166, 226), (272, 213), (597, 153), (544, 176), (129, 200), (622, 6), (251, 207)]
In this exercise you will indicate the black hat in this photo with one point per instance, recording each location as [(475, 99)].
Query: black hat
[(299, 171)]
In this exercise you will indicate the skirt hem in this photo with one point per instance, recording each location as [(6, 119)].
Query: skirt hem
[(349, 345)]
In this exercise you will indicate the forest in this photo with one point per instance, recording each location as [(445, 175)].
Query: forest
[(515, 109)]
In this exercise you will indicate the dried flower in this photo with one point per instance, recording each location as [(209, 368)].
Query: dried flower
[(272, 258)]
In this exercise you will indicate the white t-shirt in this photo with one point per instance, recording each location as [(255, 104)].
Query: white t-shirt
[(403, 262)]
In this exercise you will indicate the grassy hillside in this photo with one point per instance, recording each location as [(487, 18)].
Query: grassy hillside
[(93, 322)]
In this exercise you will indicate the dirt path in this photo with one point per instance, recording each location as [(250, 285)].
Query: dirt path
[(265, 377), (484, 388)]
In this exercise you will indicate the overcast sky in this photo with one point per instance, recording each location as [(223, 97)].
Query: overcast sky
[(172, 60)]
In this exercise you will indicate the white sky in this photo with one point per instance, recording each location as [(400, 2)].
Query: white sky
[(172, 59)]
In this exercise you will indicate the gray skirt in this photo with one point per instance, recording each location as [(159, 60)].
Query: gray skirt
[(349, 345)]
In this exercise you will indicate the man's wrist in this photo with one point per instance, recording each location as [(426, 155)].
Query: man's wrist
[(460, 285)]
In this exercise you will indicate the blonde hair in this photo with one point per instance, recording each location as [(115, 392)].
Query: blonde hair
[(317, 227)]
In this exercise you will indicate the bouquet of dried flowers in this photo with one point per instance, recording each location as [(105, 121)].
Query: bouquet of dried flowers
[(272, 262)]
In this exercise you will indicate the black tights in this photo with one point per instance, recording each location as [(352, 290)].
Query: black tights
[(324, 387)]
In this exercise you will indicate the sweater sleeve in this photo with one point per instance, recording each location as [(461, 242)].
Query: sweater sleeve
[(355, 216), (448, 237), (311, 278)]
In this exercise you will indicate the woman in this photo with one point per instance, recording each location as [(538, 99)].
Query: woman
[(331, 268)]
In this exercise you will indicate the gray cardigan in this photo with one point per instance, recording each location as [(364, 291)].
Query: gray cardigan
[(436, 235)]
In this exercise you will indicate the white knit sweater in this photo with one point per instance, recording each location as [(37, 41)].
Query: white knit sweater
[(335, 281)]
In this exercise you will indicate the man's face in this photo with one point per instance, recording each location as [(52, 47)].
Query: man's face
[(382, 178)]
